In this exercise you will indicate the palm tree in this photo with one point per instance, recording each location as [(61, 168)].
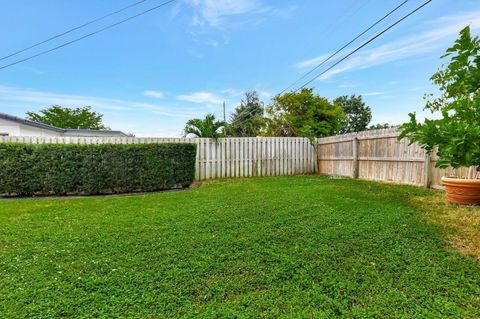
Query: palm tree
[(207, 127)]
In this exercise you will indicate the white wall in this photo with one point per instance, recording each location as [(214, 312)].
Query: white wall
[(17, 129), (85, 133)]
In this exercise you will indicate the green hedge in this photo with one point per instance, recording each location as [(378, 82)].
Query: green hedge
[(65, 169)]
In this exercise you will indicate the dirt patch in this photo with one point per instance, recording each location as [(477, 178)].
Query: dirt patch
[(462, 222), (194, 185)]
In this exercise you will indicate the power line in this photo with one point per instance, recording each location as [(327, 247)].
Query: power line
[(74, 29), (332, 29), (341, 20), (88, 35), (357, 49), (364, 44), (344, 46), (244, 112)]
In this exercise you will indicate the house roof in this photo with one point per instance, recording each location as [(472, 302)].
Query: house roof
[(58, 129)]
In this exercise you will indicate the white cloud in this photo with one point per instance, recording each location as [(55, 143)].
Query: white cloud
[(45, 99), (311, 63), (163, 130), (373, 93), (32, 69), (213, 12), (285, 13), (265, 94), (201, 98), (154, 94), (232, 92), (440, 30)]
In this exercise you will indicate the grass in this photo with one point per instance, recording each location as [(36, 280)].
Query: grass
[(294, 247), (463, 222)]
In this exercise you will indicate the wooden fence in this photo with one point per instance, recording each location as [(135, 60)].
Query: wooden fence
[(378, 155), (222, 158)]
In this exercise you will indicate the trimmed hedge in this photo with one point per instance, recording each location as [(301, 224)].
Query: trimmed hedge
[(66, 169)]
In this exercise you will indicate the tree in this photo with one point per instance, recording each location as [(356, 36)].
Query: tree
[(358, 115), (303, 114), (248, 118), (455, 130), (72, 118), (379, 126), (207, 127)]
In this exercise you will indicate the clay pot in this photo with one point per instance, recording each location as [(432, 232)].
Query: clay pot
[(462, 191)]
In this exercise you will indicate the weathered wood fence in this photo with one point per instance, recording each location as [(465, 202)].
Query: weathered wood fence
[(378, 155), (372, 155), (222, 158)]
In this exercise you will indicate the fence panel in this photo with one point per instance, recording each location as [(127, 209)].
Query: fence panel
[(382, 157), (221, 158), (335, 155), (378, 155), (371, 155)]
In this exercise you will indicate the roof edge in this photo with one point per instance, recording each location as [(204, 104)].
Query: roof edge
[(71, 130), (30, 123), (54, 128)]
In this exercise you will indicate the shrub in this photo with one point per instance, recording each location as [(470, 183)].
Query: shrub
[(65, 169), (455, 130)]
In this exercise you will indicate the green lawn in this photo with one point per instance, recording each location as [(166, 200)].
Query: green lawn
[(293, 247)]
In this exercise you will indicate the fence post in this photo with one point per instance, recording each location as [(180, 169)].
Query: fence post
[(426, 171), (355, 157)]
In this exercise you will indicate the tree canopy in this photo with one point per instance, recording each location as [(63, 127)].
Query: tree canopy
[(358, 115), (304, 114), (455, 130), (379, 126), (248, 118), (71, 118)]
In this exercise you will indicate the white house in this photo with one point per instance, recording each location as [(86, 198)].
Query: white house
[(14, 126)]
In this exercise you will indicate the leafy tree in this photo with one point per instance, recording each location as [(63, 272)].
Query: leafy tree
[(455, 132), (207, 127), (304, 114), (358, 115), (248, 118), (72, 118), (381, 126)]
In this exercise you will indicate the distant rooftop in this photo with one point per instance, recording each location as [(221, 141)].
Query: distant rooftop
[(61, 130)]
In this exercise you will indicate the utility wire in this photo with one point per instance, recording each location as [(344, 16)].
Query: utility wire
[(330, 31), (74, 29), (244, 112), (89, 35), (364, 44), (351, 53), (344, 46)]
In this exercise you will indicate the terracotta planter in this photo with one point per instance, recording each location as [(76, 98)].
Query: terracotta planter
[(462, 191)]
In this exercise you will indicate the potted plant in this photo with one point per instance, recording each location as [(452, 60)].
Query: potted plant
[(454, 132)]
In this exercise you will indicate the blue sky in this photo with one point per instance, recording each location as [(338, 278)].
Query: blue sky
[(150, 75)]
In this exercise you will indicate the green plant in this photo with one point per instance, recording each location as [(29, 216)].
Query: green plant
[(379, 126), (248, 118), (358, 114), (272, 247), (456, 133), (208, 127), (303, 114), (73, 118), (61, 169)]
